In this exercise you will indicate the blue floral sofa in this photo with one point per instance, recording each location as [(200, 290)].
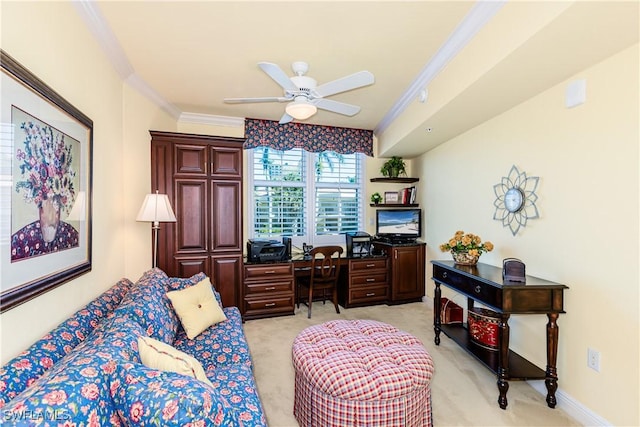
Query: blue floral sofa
[(88, 372)]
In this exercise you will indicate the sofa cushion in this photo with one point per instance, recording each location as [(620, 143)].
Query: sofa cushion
[(236, 383), (158, 355), (145, 396), (179, 283), (196, 307), (219, 345), (147, 303), (23, 370)]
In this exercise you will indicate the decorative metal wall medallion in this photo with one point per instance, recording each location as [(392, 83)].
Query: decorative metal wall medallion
[(516, 199)]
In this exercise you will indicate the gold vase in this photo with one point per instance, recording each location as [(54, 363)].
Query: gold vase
[(49, 220), (463, 258)]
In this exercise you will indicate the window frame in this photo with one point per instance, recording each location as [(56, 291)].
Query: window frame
[(309, 189)]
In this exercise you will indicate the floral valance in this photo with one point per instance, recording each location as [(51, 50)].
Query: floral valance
[(308, 137)]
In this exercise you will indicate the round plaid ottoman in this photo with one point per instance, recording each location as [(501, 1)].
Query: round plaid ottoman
[(361, 373)]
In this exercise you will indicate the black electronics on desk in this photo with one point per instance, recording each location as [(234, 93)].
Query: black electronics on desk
[(265, 250), (358, 244)]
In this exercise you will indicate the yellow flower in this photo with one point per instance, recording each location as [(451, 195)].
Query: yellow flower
[(469, 242)]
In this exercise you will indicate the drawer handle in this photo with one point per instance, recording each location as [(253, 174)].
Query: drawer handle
[(478, 289), (371, 280), (371, 294), (270, 288), (444, 275), (370, 265), (271, 304), (269, 272)]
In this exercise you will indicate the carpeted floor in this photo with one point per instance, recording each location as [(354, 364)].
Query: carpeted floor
[(463, 392)]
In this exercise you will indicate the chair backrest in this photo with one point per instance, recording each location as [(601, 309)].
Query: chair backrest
[(324, 267)]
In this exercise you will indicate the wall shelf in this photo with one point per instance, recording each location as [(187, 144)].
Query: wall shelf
[(403, 180), (394, 205)]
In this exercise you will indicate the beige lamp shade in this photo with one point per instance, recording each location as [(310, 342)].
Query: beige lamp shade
[(156, 208)]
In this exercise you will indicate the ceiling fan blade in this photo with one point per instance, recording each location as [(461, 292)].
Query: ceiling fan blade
[(249, 100), (278, 75), (336, 106), (285, 119), (354, 81)]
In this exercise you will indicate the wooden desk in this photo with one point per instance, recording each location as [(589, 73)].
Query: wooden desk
[(483, 283)]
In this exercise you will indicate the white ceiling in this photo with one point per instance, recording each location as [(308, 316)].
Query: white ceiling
[(189, 55)]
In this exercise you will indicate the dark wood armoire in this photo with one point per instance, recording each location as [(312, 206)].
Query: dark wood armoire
[(202, 175)]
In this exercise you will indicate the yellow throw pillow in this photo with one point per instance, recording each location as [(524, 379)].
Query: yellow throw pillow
[(196, 307), (158, 355)]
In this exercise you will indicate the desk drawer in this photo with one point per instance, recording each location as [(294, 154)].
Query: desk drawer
[(267, 271), (266, 287), (369, 279), (371, 294), (276, 303), (367, 264), (475, 289)]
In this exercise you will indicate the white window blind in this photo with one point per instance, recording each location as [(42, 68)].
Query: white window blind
[(314, 196)]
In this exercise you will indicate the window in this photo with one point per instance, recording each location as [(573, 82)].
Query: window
[(313, 197)]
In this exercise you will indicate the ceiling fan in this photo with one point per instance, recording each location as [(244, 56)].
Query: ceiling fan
[(303, 94)]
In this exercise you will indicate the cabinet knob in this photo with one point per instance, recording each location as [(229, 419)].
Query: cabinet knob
[(269, 272), (478, 289), (371, 280), (271, 304), (370, 265), (270, 288), (445, 275), (371, 294)]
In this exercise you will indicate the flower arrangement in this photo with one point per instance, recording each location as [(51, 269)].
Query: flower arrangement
[(46, 167), (470, 243)]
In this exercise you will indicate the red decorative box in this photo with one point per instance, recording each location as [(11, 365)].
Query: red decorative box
[(483, 327), (450, 312)]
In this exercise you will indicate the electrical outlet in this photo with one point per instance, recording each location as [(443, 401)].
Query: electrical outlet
[(593, 359)]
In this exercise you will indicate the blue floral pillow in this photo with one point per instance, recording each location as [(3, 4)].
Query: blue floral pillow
[(147, 303), (145, 396)]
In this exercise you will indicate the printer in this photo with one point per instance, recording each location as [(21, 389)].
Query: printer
[(265, 250)]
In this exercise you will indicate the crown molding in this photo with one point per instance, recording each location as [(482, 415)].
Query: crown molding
[(97, 25), (478, 16), (210, 119)]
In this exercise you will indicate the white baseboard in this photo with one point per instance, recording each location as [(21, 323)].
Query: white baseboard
[(572, 407)]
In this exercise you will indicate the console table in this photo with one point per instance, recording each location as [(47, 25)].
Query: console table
[(483, 283)]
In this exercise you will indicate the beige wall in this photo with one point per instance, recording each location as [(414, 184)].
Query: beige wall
[(57, 47), (587, 234)]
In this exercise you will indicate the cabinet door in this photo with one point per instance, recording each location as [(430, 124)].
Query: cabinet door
[(408, 273), (226, 275), (191, 215), (191, 160), (226, 162), (226, 216)]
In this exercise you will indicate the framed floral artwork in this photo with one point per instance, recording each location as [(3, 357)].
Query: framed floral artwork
[(45, 187)]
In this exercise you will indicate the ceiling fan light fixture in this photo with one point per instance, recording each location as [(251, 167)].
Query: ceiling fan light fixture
[(300, 110)]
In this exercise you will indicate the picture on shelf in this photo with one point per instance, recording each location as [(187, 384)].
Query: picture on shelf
[(390, 197)]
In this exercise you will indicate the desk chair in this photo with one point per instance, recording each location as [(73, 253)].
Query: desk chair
[(325, 270)]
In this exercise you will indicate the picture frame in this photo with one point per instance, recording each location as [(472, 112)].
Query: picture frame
[(390, 197), (46, 177)]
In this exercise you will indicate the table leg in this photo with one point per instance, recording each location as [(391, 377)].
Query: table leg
[(503, 360), (436, 313), (551, 378)]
